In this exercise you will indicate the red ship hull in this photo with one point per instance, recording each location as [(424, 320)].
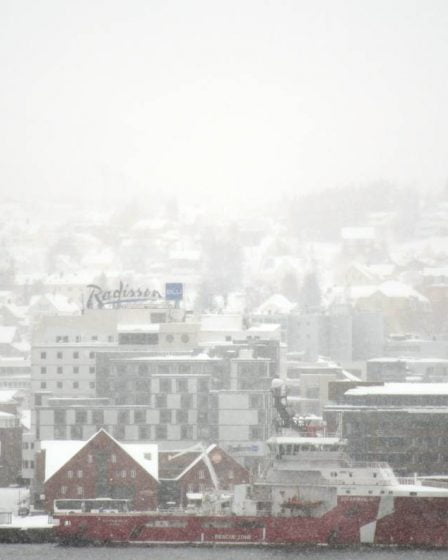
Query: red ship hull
[(355, 520)]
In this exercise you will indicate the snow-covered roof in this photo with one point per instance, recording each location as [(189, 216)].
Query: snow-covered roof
[(350, 376), (401, 389), (8, 395), (394, 289), (436, 271), (264, 327), (277, 303), (145, 454), (390, 289), (358, 233), (7, 334), (59, 452), (175, 357), (25, 418), (59, 302)]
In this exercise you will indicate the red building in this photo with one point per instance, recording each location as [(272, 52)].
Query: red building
[(196, 471), (101, 467)]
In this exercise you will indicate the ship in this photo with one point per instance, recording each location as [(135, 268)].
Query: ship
[(310, 492)]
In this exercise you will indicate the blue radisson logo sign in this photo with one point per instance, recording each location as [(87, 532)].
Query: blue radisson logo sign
[(99, 298), (174, 291)]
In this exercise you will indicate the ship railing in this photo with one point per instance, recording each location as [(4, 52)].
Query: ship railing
[(171, 510), (370, 464)]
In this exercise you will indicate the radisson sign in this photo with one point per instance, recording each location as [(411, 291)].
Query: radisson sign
[(122, 295)]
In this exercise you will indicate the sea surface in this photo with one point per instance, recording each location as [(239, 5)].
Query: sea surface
[(56, 552)]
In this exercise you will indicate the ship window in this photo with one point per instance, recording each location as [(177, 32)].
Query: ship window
[(218, 524), (382, 492), (412, 493), (370, 492), (390, 492), (347, 491), (178, 523)]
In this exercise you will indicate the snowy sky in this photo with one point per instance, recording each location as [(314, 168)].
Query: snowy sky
[(230, 96)]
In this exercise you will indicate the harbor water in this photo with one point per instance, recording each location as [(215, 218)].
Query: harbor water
[(55, 552)]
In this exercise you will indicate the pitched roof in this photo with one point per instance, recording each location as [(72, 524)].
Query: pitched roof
[(59, 452), (277, 303)]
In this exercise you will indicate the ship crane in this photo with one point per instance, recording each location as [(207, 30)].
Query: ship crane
[(285, 418)]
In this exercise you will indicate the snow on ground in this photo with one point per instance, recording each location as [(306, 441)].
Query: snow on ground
[(10, 501), (12, 498)]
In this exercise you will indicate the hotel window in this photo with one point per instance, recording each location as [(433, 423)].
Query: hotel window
[(75, 355), (182, 385), (91, 355), (77, 338), (255, 432), (70, 474), (59, 385), (165, 416), (97, 417), (94, 339), (75, 369), (59, 355), (165, 385), (43, 369), (92, 385), (43, 355), (63, 490), (161, 431), (79, 490), (92, 369), (75, 385), (110, 338), (80, 473), (43, 385), (60, 369), (81, 417)]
